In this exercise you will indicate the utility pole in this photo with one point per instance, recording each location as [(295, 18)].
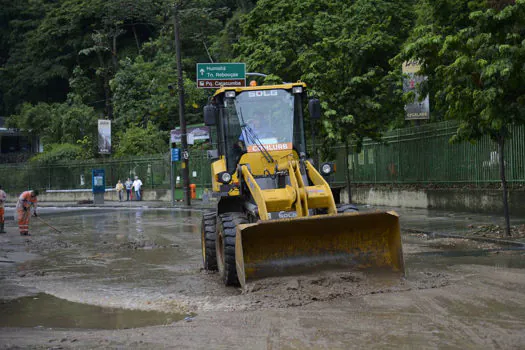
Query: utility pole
[(182, 119)]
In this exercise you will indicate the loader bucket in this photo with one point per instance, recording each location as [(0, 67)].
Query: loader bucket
[(309, 244)]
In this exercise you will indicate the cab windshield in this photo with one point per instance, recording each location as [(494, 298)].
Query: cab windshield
[(272, 116)]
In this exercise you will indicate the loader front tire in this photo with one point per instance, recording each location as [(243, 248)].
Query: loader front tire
[(346, 208), (208, 237), (225, 246)]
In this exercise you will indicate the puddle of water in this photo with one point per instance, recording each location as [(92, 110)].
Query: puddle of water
[(48, 311)]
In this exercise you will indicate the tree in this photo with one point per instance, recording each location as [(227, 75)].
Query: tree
[(19, 73), (478, 72), (137, 141), (342, 50), (141, 95), (56, 122), (117, 17)]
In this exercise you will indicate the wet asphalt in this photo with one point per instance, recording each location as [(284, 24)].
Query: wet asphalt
[(109, 259)]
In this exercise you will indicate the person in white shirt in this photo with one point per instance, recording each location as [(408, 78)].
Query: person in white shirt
[(137, 184)]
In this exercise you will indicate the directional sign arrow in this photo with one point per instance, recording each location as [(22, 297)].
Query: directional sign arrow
[(202, 71)]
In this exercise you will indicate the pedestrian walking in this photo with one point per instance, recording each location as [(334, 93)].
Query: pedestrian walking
[(26, 200), (137, 184), (3, 198), (128, 185), (120, 189)]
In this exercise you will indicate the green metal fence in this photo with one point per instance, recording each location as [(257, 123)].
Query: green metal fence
[(419, 155), (424, 155), (154, 171)]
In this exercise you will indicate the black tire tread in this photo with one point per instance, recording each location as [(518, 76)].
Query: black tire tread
[(209, 224), (229, 222)]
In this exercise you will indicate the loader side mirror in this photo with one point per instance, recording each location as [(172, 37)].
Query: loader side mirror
[(210, 115), (314, 107)]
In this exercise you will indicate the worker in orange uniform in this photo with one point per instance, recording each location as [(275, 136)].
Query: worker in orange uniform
[(3, 197), (26, 200)]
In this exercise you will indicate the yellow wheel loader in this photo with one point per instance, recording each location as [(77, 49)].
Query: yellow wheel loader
[(276, 214)]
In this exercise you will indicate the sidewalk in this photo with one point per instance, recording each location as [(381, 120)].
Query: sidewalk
[(195, 204)]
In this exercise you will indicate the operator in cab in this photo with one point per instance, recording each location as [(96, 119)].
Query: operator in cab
[(259, 125)]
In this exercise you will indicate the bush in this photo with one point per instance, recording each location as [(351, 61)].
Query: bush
[(58, 152)]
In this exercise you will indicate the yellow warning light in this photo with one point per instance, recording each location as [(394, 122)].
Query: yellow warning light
[(253, 83)]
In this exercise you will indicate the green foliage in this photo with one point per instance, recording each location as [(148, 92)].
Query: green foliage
[(141, 95), (56, 122), (342, 50), (89, 148), (54, 153), (475, 64), (58, 58), (136, 141)]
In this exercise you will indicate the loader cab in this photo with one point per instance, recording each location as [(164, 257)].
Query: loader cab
[(247, 117)]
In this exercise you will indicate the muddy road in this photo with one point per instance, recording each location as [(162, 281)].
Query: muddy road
[(132, 278)]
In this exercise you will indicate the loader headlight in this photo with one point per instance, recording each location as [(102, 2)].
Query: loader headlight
[(229, 93), (326, 169), (297, 89), (224, 177)]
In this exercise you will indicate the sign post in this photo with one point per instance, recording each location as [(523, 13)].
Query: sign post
[(217, 75), (182, 119)]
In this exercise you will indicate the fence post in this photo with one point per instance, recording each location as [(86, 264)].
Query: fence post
[(347, 174)]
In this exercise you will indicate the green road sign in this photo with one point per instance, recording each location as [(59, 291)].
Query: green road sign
[(216, 75)]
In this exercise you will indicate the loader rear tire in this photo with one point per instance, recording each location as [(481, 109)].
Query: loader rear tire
[(346, 208), (208, 237), (225, 246)]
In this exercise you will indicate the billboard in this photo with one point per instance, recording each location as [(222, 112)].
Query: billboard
[(194, 134), (104, 136), (417, 109)]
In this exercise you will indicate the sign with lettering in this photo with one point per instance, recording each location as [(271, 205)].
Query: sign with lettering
[(217, 75), (417, 109)]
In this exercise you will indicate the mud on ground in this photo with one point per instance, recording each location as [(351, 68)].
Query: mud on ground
[(456, 293)]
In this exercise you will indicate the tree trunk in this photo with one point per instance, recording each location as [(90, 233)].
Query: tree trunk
[(501, 146), (136, 37), (107, 95), (108, 110), (207, 51), (114, 51), (347, 174)]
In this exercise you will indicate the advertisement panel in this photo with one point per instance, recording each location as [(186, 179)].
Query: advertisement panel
[(194, 134), (104, 136), (417, 109)]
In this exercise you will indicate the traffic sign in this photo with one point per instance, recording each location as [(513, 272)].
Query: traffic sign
[(175, 154), (216, 75)]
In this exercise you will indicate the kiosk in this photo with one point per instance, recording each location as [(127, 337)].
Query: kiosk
[(98, 185)]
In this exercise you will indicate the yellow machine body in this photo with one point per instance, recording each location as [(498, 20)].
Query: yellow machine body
[(310, 244), (305, 241)]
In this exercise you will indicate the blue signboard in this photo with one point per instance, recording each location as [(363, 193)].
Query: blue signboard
[(98, 183), (175, 154)]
